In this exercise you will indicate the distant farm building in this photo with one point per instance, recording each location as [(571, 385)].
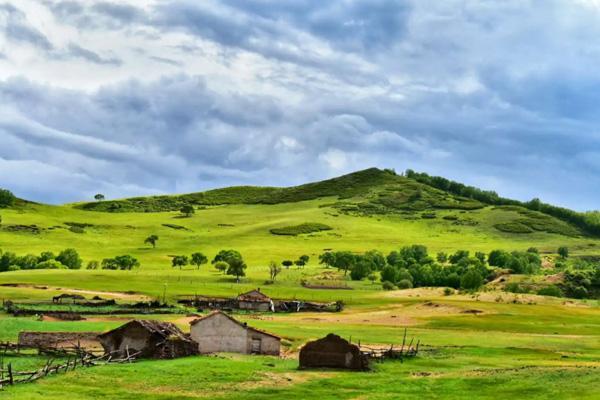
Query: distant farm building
[(149, 339), (218, 332), (332, 352), (255, 300)]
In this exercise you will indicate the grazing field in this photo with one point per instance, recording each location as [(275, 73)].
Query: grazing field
[(484, 344)]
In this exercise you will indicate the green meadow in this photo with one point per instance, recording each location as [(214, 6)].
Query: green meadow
[(489, 344)]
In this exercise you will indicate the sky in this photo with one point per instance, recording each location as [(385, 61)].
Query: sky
[(131, 98)]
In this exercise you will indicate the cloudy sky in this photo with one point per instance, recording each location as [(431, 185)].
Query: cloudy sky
[(143, 97)]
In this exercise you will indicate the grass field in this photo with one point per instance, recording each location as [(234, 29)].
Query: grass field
[(515, 346)]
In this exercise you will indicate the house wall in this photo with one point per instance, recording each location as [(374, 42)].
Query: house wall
[(254, 305), (219, 334), (135, 338), (268, 344)]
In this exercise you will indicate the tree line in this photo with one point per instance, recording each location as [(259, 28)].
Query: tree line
[(589, 222), (412, 266)]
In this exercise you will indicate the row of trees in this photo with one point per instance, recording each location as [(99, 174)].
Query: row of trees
[(587, 222), (412, 266), (68, 258), (123, 263), (196, 259)]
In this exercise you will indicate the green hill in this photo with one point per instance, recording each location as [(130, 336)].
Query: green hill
[(370, 209)]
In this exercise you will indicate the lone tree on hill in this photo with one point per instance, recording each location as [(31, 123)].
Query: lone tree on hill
[(227, 256), (274, 270), (237, 268), (187, 210), (287, 263), (198, 259), (179, 261), (99, 197), (151, 240)]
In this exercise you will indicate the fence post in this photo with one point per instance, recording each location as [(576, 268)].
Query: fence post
[(10, 374)]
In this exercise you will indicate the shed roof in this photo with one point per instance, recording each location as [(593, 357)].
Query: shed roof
[(242, 324), (163, 329), (254, 296)]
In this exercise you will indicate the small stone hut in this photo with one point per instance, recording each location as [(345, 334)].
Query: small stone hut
[(255, 300), (153, 339), (332, 352), (218, 332)]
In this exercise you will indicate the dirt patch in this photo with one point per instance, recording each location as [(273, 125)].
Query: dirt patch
[(285, 379), (472, 311), (131, 296)]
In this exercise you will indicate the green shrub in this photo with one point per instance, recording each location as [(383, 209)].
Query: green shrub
[(405, 284), (471, 280), (309, 227), (448, 291), (513, 227), (552, 290), (387, 285)]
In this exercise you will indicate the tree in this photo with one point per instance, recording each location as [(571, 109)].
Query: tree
[(372, 277), (360, 270), (458, 256), (46, 255), (7, 199), (127, 262), (69, 258), (274, 270), (93, 264), (287, 263), (327, 258), (7, 260), (179, 261), (344, 260), (99, 197), (221, 266), (471, 280), (237, 268), (198, 259), (300, 263), (480, 256), (151, 240), (304, 258), (389, 274), (187, 210), (563, 251), (499, 258), (442, 257), (227, 256)]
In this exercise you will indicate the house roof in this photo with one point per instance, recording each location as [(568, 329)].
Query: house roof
[(254, 296), (242, 324), (162, 329)]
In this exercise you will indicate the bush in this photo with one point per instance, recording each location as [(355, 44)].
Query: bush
[(552, 290), (389, 274), (471, 280), (387, 285), (50, 264), (514, 287), (69, 258), (448, 291), (405, 284), (309, 227)]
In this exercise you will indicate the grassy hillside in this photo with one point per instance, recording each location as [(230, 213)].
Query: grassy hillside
[(487, 345)]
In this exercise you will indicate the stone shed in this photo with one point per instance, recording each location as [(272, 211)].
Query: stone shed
[(332, 352), (218, 332), (255, 300), (154, 339)]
